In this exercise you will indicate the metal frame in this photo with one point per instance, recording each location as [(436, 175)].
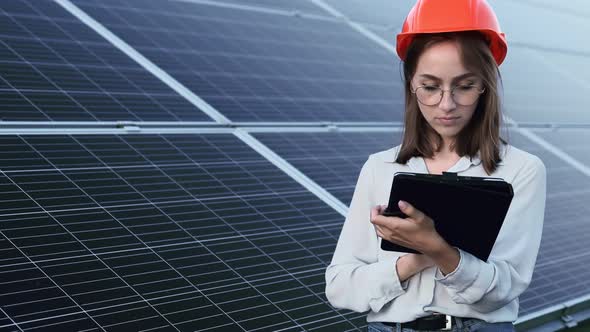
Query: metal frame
[(264, 10), (151, 67), (565, 315), (271, 156)]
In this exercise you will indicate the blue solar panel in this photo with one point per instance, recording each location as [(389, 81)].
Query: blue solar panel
[(133, 232), (382, 12), (301, 6), (561, 264), (573, 7), (556, 33), (572, 141), (198, 231), (539, 87), (254, 66), (333, 160), (55, 68)]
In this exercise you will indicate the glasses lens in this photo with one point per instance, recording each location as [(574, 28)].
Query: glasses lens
[(429, 95), (466, 94)]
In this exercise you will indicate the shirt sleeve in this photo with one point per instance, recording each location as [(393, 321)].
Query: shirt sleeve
[(488, 286), (355, 279)]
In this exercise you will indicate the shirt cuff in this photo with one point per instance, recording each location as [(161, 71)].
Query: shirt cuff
[(470, 279), (387, 285)]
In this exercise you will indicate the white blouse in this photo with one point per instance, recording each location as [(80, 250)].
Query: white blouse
[(362, 277)]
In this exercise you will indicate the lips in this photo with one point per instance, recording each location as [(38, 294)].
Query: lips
[(450, 121)]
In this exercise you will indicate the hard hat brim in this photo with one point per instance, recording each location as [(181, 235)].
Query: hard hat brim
[(496, 42)]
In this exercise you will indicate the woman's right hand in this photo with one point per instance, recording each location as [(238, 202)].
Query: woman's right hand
[(410, 264)]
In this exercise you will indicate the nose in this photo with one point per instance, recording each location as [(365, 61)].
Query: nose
[(447, 103)]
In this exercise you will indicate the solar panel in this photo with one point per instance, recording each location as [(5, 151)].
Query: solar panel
[(135, 232), (382, 12), (557, 34), (198, 231), (572, 141), (333, 160), (572, 7), (538, 89), (301, 6), (563, 256), (255, 66), (55, 68)]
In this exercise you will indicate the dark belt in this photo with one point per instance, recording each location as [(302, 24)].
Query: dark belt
[(432, 322)]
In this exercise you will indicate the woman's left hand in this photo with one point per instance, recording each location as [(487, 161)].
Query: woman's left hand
[(417, 231)]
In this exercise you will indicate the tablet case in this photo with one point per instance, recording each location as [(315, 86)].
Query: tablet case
[(468, 212)]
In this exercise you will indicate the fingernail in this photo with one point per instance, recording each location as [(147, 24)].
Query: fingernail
[(402, 204)]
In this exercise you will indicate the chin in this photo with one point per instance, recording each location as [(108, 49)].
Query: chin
[(449, 132)]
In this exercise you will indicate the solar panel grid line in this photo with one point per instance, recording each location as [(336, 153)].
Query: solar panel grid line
[(279, 8), (122, 279), (355, 25), (63, 285), (552, 7), (396, 128), (11, 320), (75, 68), (567, 158), (158, 127), (24, 40), (321, 128), (51, 279), (321, 163), (272, 222), (143, 61), (252, 231), (574, 78), (10, 85), (571, 257), (112, 306), (291, 171), (317, 157), (266, 10)]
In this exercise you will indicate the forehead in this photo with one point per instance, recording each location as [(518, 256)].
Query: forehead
[(441, 60)]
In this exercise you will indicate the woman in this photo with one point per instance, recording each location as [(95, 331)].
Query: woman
[(451, 52)]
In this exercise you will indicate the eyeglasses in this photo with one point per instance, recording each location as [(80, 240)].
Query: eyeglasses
[(464, 95)]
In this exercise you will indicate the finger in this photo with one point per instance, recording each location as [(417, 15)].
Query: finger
[(375, 212), (376, 217), (380, 220), (410, 210), (378, 231)]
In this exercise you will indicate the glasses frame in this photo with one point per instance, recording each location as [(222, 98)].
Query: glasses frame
[(442, 92)]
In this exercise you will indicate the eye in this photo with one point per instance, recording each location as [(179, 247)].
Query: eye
[(466, 87), (430, 88)]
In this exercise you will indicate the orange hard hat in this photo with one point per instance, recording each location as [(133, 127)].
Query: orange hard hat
[(435, 16)]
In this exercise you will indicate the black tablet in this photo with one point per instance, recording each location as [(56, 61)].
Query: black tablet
[(468, 212)]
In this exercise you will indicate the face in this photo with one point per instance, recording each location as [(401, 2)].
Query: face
[(440, 66)]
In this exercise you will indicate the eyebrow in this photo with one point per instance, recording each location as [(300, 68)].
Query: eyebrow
[(458, 78)]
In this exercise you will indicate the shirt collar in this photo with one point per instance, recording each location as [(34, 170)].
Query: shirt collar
[(418, 164)]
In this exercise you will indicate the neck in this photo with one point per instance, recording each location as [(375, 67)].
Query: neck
[(446, 152)]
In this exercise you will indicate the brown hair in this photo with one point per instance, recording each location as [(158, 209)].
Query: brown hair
[(483, 130)]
